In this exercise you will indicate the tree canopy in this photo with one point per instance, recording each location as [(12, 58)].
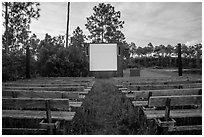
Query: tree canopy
[(105, 24), (17, 21)]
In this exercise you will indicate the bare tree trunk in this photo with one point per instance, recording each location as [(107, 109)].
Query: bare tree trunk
[(6, 20), (198, 60), (27, 62)]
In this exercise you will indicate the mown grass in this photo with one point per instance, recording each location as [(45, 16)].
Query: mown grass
[(105, 111)]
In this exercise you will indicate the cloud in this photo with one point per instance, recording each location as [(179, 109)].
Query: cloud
[(158, 22), (164, 22), (192, 42)]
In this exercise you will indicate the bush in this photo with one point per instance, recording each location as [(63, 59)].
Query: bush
[(14, 66), (58, 61)]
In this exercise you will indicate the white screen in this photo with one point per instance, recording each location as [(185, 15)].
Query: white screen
[(103, 57)]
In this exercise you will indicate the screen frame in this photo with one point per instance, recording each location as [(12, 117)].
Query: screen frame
[(114, 67)]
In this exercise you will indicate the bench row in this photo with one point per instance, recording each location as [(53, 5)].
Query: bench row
[(163, 82), (166, 103), (159, 87), (48, 103)]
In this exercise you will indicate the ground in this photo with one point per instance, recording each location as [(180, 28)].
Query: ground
[(105, 111)]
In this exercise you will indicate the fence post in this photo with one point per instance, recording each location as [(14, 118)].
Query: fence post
[(179, 60), (167, 109), (49, 119), (149, 95)]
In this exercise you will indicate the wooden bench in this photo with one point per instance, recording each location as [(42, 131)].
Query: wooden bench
[(144, 95), (159, 87), (46, 103), (47, 110), (75, 98), (44, 84), (163, 109), (86, 81), (69, 88), (164, 82)]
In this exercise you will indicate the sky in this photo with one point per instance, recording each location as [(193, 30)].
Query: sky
[(145, 22)]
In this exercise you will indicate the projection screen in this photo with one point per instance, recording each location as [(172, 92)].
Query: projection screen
[(103, 57)]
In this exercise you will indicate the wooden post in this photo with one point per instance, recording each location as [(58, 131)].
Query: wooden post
[(179, 60), (167, 109), (49, 118), (27, 62), (14, 94), (200, 92), (149, 95)]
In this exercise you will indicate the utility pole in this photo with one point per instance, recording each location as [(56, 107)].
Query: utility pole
[(67, 24)]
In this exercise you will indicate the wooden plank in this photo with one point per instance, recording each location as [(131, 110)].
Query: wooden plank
[(75, 104), (159, 87), (43, 84), (140, 103), (34, 103), (118, 86), (122, 89), (23, 131), (69, 88), (185, 100), (167, 82), (32, 94), (43, 94), (185, 128), (167, 92), (177, 113), (30, 114)]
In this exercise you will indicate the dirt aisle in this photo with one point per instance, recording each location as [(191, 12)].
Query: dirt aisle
[(105, 111)]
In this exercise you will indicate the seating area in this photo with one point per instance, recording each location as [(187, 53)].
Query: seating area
[(42, 106), (171, 106)]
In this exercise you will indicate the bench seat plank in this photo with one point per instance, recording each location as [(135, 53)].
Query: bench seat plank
[(185, 100), (69, 88), (159, 87), (75, 104), (58, 115), (43, 84), (34, 103), (42, 94), (165, 82), (139, 103), (185, 128), (166, 92), (178, 113), (23, 131)]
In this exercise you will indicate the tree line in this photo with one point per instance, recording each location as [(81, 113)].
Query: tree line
[(50, 57), (164, 56)]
